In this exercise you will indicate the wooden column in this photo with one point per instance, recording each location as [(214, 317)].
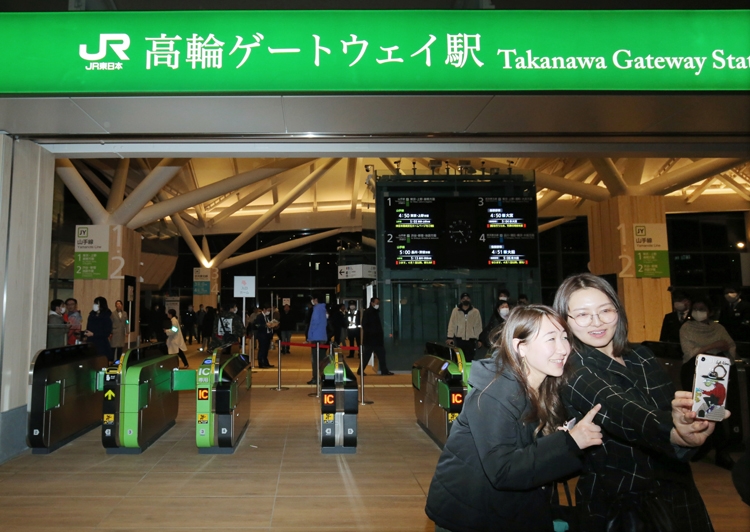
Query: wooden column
[(124, 260), (611, 244)]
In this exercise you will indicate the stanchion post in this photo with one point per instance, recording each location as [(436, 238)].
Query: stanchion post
[(317, 368), (278, 386)]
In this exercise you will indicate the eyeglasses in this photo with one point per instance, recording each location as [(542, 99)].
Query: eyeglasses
[(584, 319)]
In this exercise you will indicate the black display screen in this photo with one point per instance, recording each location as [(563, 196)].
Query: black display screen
[(443, 232)]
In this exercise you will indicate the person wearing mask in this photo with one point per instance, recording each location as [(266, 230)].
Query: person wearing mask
[(287, 324), (74, 320), (99, 328), (701, 335), (353, 327), (464, 327), (207, 328), (508, 443), (503, 295), (228, 327), (120, 325), (649, 431), (495, 325), (264, 328), (670, 326), (199, 316), (316, 334), (57, 329), (373, 338), (175, 340), (735, 315), (188, 324)]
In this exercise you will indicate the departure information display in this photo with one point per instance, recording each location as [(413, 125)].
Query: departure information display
[(443, 232)]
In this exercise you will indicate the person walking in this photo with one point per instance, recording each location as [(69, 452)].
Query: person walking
[(199, 317), (175, 340), (464, 327), (287, 324), (120, 326), (57, 329), (188, 324), (228, 327), (316, 334), (373, 338), (99, 328)]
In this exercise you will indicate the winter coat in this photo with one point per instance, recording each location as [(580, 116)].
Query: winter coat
[(287, 321), (493, 474), (119, 329), (57, 331), (318, 322), (101, 325), (372, 329), (465, 324), (188, 318), (262, 331), (175, 340), (229, 327), (636, 455), (495, 321)]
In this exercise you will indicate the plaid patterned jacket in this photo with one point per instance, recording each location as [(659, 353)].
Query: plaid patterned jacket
[(636, 455)]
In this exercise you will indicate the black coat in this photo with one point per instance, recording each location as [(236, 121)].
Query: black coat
[(670, 328), (101, 325), (636, 455), (493, 474), (372, 329)]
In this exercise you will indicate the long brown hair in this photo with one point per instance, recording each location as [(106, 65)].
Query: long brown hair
[(578, 282), (523, 323)]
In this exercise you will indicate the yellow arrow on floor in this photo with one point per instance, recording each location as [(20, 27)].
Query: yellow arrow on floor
[(109, 395)]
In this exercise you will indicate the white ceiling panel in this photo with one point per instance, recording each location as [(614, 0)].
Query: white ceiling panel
[(49, 116)]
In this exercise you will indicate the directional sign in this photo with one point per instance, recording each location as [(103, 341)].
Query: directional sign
[(244, 286), (109, 395)]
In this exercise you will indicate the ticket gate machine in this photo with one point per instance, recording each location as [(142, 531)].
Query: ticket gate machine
[(440, 381), (63, 399), (222, 402), (339, 406)]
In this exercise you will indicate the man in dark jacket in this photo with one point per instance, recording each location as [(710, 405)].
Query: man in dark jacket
[(228, 326), (188, 324), (735, 315), (287, 324), (353, 330), (670, 326), (199, 317), (372, 337)]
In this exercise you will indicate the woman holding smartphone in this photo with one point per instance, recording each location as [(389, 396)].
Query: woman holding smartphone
[(505, 448), (639, 474)]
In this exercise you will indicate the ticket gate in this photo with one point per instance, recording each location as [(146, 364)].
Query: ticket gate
[(440, 380), (339, 407), (222, 401), (140, 398), (63, 399)]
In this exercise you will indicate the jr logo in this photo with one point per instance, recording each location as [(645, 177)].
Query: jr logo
[(119, 42)]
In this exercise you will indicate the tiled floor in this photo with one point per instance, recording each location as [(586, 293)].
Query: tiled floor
[(277, 480)]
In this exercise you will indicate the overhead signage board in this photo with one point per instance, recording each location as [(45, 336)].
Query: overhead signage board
[(283, 52), (91, 252), (358, 271), (651, 250), (201, 281), (446, 232)]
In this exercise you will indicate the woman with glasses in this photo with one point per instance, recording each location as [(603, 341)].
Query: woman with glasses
[(640, 473), (506, 446)]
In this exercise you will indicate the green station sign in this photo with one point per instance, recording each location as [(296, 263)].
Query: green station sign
[(287, 52)]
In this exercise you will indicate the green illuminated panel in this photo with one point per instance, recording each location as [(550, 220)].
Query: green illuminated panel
[(281, 52)]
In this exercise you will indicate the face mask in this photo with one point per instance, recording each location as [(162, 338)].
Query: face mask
[(465, 303), (502, 298), (61, 310), (730, 296), (266, 313), (352, 307), (504, 312), (376, 307), (679, 306), (699, 315), (96, 307)]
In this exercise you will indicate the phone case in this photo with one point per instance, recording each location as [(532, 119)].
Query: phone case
[(710, 386)]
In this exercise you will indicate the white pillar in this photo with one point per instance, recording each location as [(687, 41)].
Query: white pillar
[(26, 192)]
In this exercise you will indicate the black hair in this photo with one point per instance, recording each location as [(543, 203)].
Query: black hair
[(172, 312), (74, 300), (103, 307), (55, 303)]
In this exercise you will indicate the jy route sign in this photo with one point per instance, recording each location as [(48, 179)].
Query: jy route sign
[(281, 52)]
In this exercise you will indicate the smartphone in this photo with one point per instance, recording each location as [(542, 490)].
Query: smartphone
[(710, 386)]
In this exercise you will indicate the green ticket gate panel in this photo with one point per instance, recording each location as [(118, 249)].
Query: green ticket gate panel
[(63, 398), (440, 381), (140, 403), (223, 383), (339, 406)]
